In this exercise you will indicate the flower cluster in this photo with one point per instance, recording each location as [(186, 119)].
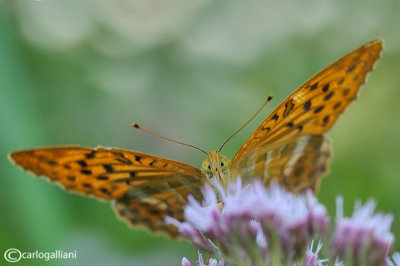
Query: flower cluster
[(364, 238), (254, 225)]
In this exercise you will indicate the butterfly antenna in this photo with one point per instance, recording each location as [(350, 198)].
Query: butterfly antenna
[(237, 131), (165, 138)]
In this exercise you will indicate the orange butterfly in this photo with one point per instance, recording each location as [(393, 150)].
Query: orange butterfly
[(289, 147)]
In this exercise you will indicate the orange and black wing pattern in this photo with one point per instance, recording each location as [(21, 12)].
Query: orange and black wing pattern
[(314, 107), (145, 188), (297, 163)]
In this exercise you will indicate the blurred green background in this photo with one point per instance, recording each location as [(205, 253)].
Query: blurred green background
[(80, 72)]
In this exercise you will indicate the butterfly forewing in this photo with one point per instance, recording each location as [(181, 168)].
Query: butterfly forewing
[(133, 179), (314, 107)]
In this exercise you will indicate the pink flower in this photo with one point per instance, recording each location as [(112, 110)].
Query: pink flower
[(254, 225), (253, 222), (365, 237)]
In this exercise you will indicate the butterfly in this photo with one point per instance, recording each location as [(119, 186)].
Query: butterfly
[(288, 147)]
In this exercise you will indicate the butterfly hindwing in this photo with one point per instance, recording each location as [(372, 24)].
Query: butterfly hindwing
[(148, 205), (149, 186), (314, 107), (297, 164)]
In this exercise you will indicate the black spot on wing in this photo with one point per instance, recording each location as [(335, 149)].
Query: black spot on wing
[(351, 68), (105, 191), (51, 162), (318, 109), (108, 168), (90, 155), (337, 105), (314, 86), (86, 172), (307, 105), (288, 107), (329, 95), (82, 163), (122, 159), (300, 128), (325, 88), (325, 120)]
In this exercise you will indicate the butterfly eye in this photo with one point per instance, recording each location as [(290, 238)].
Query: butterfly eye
[(224, 164), (206, 167)]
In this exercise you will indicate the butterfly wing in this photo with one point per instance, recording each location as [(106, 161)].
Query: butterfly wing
[(146, 188), (297, 163), (314, 107)]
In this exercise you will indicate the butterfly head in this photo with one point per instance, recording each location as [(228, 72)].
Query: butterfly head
[(216, 165)]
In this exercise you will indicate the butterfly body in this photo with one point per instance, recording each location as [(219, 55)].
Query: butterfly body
[(288, 147)]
